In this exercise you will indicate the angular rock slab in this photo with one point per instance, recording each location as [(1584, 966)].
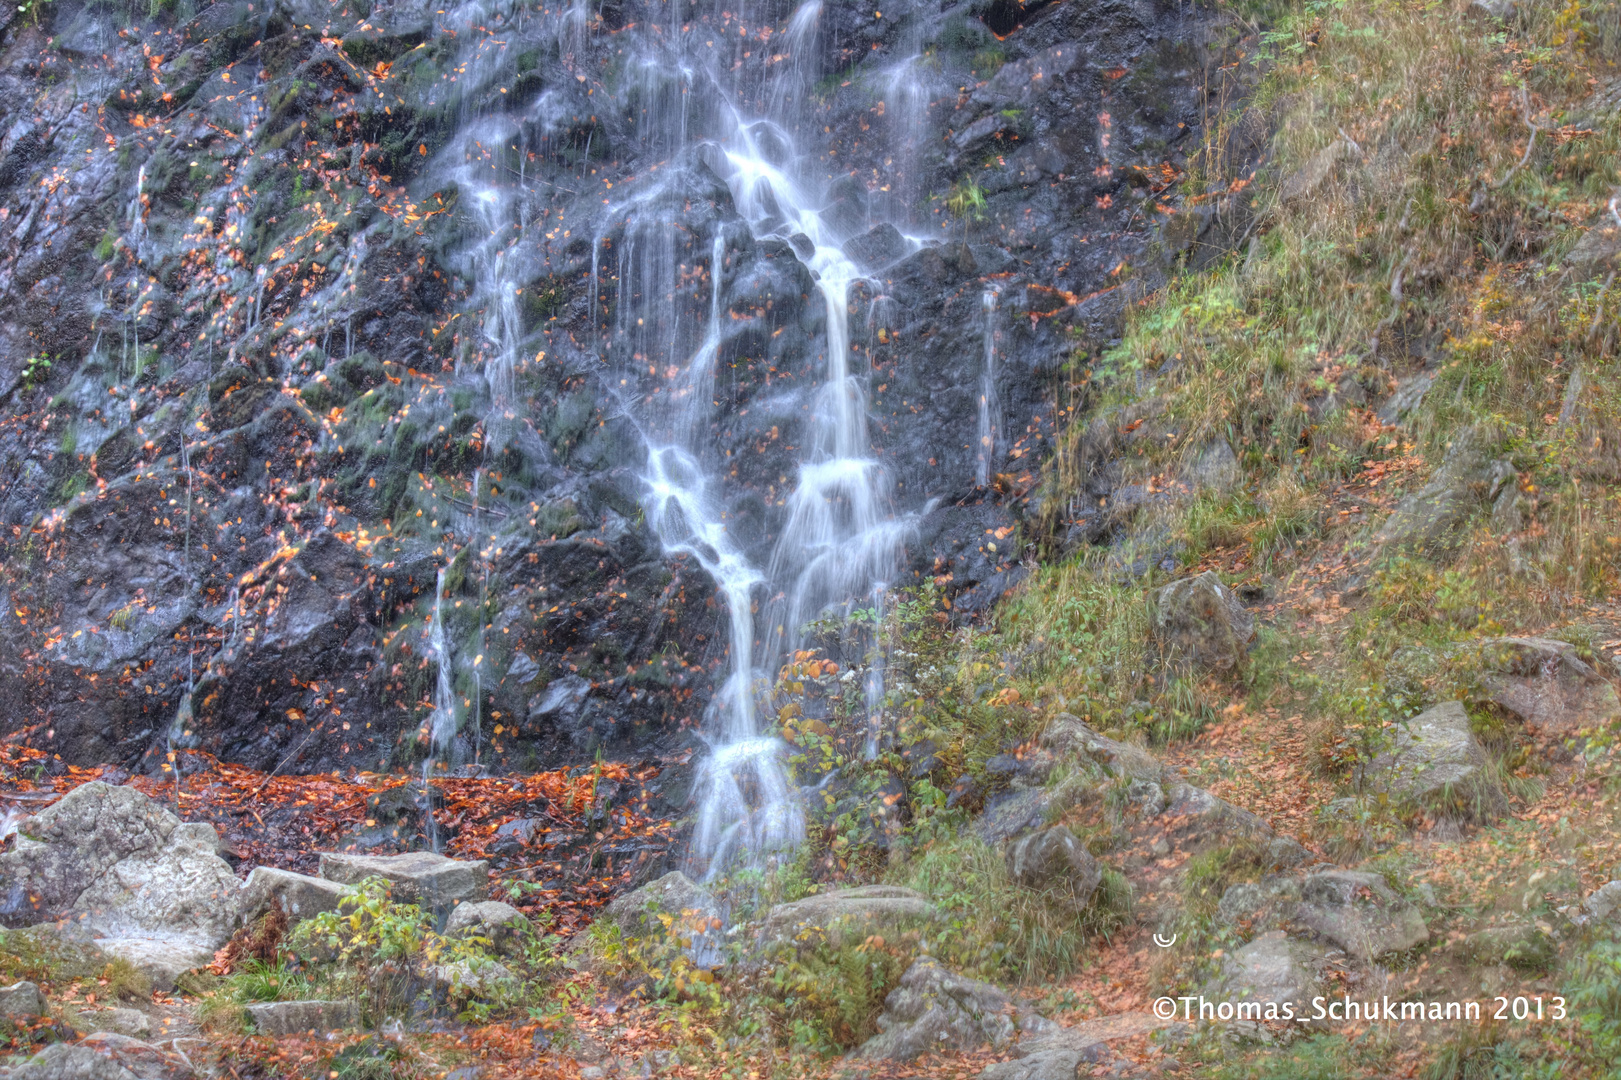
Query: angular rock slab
[(1057, 1054), (298, 895), (1045, 1064), (934, 1010), (297, 1017), (424, 878), (1013, 814), (132, 1022), (1602, 906), (1252, 907), (1546, 684), (124, 861), (1437, 764), (103, 1056), (162, 959), (1272, 969), (1196, 819), (846, 915), (1360, 913), (1200, 620)]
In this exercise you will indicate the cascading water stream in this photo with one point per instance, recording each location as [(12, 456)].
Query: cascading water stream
[(840, 541)]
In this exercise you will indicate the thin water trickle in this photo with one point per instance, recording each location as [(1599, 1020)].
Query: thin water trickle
[(442, 724), (985, 458)]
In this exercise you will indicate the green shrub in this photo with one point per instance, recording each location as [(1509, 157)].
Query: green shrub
[(824, 1000)]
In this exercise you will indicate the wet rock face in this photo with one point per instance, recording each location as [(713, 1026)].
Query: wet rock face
[(283, 396)]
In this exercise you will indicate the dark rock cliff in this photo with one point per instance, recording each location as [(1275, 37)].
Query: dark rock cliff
[(251, 413)]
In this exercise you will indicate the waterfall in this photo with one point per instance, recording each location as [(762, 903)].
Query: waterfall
[(989, 411), (841, 539), (442, 724), (746, 806)]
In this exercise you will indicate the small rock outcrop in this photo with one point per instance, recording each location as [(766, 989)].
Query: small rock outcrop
[(1431, 520), (436, 883), (1198, 619), (1360, 913), (934, 1010), (1013, 814), (1545, 683), (1058, 1053), (1272, 969), (131, 1022), (846, 915), (1437, 764), (637, 912), (1254, 907), (1196, 819), (22, 1001), (1603, 905), (502, 925), (297, 1017), (1055, 862), (1068, 735)]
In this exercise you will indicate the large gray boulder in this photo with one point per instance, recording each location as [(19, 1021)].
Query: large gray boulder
[(1360, 913), (1198, 619), (152, 889), (1068, 735), (934, 1010), (691, 907), (1436, 764), (1055, 863), (432, 881), (121, 860), (846, 915), (1544, 683), (1432, 520)]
